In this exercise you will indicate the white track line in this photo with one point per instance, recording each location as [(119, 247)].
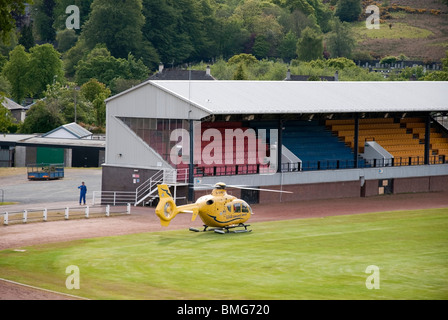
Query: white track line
[(41, 289)]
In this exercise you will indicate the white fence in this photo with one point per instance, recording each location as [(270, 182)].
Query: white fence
[(45, 214), (113, 197)]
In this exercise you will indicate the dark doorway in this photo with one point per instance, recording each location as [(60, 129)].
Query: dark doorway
[(85, 158), (250, 196), (386, 186)]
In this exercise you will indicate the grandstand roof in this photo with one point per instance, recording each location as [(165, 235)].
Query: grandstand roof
[(237, 97)]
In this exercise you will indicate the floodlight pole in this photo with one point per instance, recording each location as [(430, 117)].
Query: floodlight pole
[(280, 145), (191, 165), (427, 137), (356, 141)]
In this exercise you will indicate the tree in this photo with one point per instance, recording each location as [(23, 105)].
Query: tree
[(96, 92), (72, 57), (341, 40), (181, 30), (15, 70), (93, 88), (8, 9), (7, 121), (439, 75), (259, 18), (43, 15), (229, 33), (5, 86), (261, 47), (119, 85), (348, 10), (240, 74), (288, 46), (314, 8), (66, 100), (445, 62), (118, 24), (61, 16), (45, 67), (161, 29), (41, 119), (66, 39), (436, 76), (243, 58), (309, 45), (26, 38), (101, 65), (99, 104), (300, 5)]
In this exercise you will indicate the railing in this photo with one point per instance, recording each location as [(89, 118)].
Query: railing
[(113, 197), (148, 187), (182, 175), (231, 170), (55, 214), (316, 165)]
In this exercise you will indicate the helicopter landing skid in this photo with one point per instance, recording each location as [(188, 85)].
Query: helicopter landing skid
[(225, 229)]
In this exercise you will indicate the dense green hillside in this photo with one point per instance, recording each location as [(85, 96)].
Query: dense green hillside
[(57, 46)]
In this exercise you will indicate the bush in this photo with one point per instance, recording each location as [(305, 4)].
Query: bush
[(348, 10), (388, 60)]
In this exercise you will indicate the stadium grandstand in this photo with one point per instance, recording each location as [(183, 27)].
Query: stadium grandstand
[(316, 139)]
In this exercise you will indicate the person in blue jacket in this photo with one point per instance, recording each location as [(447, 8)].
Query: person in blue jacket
[(83, 192)]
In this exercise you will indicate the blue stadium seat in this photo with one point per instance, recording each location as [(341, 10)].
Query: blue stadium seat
[(314, 144)]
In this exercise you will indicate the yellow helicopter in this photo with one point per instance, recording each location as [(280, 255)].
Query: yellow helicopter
[(219, 211)]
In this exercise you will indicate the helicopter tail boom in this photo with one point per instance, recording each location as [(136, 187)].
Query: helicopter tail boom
[(166, 210)]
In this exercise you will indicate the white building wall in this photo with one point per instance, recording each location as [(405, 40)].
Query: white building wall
[(145, 101), (148, 101), (125, 148)]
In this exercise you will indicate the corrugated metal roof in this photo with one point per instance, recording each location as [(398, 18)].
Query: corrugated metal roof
[(33, 139), (73, 128), (64, 142), (11, 105), (77, 130), (280, 97)]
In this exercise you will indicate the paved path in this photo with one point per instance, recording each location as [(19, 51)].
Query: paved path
[(18, 188)]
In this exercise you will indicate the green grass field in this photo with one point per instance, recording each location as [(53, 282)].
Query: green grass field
[(399, 30), (321, 258)]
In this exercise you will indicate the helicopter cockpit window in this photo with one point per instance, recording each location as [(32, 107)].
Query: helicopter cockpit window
[(245, 208), (237, 207), (229, 208)]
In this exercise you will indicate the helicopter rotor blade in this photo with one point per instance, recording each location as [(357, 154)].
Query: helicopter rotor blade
[(259, 189), (207, 186)]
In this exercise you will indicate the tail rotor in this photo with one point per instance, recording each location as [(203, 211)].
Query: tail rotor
[(166, 209)]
